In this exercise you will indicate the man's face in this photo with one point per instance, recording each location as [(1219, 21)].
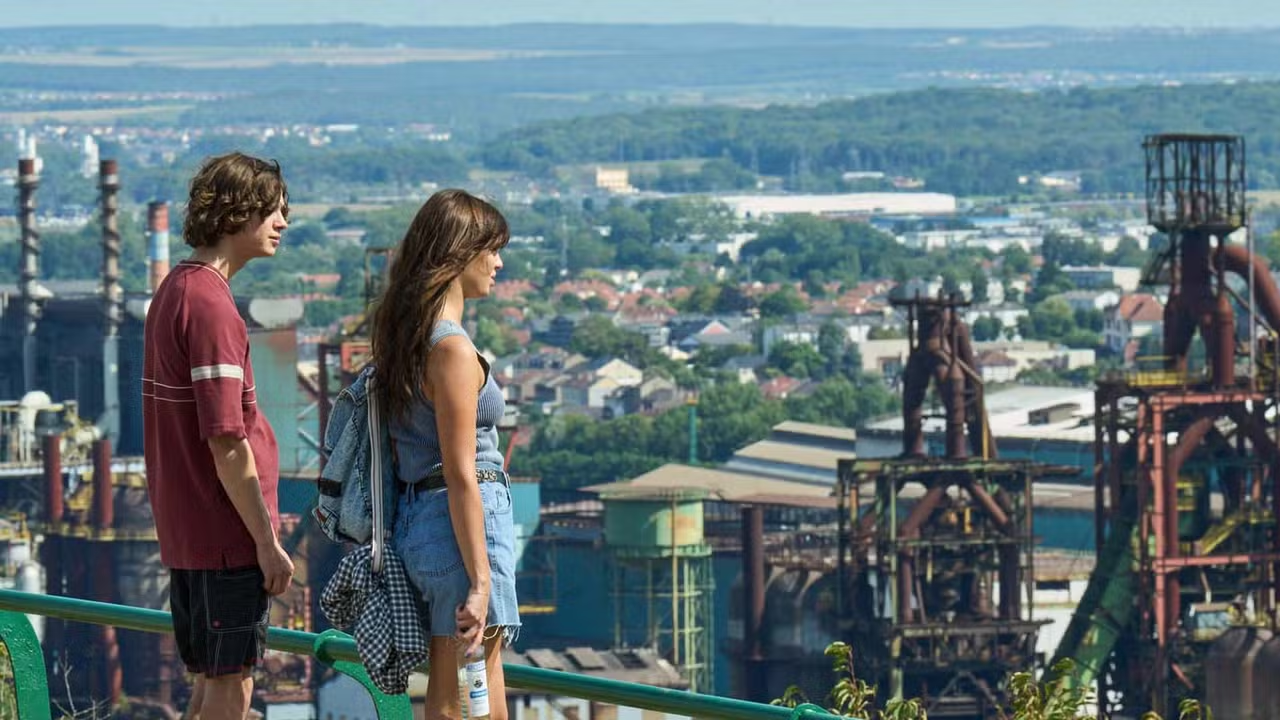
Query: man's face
[(260, 236)]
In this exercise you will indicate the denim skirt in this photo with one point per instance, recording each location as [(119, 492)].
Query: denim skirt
[(423, 538)]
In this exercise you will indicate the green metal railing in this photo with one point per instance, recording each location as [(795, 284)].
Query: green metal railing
[(338, 650)]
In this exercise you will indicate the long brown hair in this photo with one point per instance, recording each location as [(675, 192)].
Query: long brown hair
[(450, 230)]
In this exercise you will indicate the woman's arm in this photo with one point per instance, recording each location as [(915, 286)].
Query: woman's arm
[(454, 377)]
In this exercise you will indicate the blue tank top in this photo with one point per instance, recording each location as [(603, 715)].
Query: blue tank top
[(417, 441)]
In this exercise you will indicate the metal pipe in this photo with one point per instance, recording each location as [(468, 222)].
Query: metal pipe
[(915, 384), (910, 527), (753, 601), (51, 548), (953, 392), (29, 272), (103, 500), (989, 506), (52, 464), (104, 571)]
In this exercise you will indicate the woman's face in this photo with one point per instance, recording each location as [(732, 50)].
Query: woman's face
[(481, 274)]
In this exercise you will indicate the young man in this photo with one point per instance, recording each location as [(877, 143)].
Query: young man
[(211, 457)]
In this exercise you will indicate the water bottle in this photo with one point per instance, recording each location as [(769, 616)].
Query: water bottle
[(473, 687)]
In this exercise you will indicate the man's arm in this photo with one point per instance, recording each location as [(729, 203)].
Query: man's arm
[(238, 473)]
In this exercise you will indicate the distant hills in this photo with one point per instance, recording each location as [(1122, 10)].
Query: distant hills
[(367, 74), (968, 142)]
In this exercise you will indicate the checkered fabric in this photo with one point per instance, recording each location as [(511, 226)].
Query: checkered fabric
[(383, 613)]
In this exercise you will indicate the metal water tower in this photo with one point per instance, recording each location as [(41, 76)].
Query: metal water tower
[(662, 576)]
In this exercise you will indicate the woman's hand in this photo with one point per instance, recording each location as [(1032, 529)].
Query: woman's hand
[(471, 618)]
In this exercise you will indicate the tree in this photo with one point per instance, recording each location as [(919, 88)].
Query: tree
[(1052, 319), (731, 416), (492, 337), (783, 303), (730, 299), (838, 401), (987, 328), (1270, 246), (304, 234), (1049, 282), (1128, 253), (1014, 261), (832, 344), (799, 360), (978, 279), (597, 337), (950, 282), (702, 299)]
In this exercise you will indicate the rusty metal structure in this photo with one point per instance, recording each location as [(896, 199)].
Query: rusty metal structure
[(1176, 569), (936, 577)]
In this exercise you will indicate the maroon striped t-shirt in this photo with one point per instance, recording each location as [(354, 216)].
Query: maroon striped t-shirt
[(197, 383)]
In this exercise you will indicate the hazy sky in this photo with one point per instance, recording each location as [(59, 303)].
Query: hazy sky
[(864, 13)]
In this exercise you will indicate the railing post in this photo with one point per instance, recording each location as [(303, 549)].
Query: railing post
[(30, 682), (388, 707)]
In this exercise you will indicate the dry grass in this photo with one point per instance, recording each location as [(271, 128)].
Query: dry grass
[(232, 57), (95, 115), (1264, 198), (315, 211)]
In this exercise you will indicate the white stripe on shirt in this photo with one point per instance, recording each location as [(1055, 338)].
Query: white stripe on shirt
[(209, 372)]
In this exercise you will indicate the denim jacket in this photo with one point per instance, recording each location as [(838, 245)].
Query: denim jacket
[(343, 508)]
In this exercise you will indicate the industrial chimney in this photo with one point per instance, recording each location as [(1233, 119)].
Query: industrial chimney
[(112, 298), (28, 181), (157, 242)]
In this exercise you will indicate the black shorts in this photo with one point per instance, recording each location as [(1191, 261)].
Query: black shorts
[(219, 619)]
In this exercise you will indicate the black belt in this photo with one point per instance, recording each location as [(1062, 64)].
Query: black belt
[(435, 480)]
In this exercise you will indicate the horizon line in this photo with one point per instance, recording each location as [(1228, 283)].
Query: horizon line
[(1243, 27)]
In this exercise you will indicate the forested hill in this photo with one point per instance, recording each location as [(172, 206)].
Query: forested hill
[(963, 141)]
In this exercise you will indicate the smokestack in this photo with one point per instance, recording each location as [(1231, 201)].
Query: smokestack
[(112, 298), (157, 242), (109, 681), (51, 548), (28, 181)]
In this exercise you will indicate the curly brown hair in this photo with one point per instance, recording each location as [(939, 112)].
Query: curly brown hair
[(450, 230), (229, 191)]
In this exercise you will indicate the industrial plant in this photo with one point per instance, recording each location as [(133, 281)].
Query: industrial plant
[(929, 542)]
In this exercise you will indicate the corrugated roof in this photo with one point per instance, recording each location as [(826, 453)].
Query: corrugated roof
[(806, 455), (720, 484), (795, 427), (1008, 412)]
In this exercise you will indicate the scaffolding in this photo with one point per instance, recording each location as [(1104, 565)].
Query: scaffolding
[(662, 581), (951, 577), (1168, 439)]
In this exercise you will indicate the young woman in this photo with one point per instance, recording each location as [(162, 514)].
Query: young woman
[(453, 528)]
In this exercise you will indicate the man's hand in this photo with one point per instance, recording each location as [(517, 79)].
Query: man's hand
[(277, 568)]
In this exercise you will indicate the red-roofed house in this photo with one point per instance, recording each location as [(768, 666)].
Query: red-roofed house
[(588, 288), (780, 387), (1134, 317), (510, 290)]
